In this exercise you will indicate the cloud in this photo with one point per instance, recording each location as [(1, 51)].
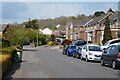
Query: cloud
[(21, 11), (114, 6), (25, 10), (52, 10), (59, 0), (10, 10)]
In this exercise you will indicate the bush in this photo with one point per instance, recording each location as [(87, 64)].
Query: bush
[(66, 42), (56, 43), (6, 61), (5, 43), (7, 58), (11, 51), (50, 43)]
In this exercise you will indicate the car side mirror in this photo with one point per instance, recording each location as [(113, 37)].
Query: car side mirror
[(104, 48), (105, 51)]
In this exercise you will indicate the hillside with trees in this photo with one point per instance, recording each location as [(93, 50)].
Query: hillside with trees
[(62, 20)]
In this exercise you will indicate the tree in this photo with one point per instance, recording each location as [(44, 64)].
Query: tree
[(99, 13), (81, 17), (52, 37), (107, 32), (110, 10)]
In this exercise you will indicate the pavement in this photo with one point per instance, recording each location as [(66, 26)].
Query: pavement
[(49, 62), (31, 67)]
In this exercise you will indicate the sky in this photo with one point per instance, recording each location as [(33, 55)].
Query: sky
[(21, 11)]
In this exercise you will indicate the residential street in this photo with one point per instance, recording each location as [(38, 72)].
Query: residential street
[(49, 62)]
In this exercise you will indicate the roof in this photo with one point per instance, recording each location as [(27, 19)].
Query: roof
[(77, 23), (97, 19), (80, 23), (47, 31), (2, 27)]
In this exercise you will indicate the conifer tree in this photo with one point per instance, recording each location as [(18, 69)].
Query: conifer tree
[(107, 32)]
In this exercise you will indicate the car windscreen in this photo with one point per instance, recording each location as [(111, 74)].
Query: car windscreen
[(80, 42), (118, 47), (94, 48)]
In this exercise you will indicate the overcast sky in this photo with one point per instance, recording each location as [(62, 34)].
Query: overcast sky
[(21, 11)]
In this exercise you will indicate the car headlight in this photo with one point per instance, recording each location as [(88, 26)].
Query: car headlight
[(90, 53)]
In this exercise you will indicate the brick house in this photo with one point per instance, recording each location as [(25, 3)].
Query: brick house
[(93, 29), (73, 29)]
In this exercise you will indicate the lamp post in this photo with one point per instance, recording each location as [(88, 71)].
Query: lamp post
[(37, 38)]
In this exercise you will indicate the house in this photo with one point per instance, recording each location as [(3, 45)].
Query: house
[(93, 29), (3, 28), (47, 31), (72, 29)]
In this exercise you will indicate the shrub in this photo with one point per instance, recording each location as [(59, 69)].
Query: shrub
[(7, 58), (6, 61), (11, 51), (50, 43), (56, 43), (5, 43), (66, 42)]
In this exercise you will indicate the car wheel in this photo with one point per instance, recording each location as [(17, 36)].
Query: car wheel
[(68, 54), (81, 57), (63, 53), (73, 55), (78, 56), (102, 62), (114, 65), (86, 59)]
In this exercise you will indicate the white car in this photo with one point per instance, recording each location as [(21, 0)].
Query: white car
[(107, 44), (91, 52)]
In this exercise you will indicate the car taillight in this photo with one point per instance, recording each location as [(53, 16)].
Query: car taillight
[(118, 56)]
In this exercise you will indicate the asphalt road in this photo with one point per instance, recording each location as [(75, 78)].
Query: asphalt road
[(58, 65), (50, 63)]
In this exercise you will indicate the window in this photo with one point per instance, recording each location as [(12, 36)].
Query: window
[(84, 47), (112, 50)]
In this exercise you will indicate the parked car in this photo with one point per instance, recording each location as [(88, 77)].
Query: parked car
[(80, 42), (91, 52), (111, 56), (77, 52), (107, 44), (65, 49), (70, 50)]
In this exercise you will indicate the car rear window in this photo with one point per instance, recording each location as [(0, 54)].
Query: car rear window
[(72, 47)]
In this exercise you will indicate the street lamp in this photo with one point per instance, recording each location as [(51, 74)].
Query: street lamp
[(37, 38)]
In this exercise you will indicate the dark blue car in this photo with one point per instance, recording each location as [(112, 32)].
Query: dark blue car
[(71, 50), (77, 52)]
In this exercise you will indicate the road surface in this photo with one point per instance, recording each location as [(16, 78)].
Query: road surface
[(49, 62)]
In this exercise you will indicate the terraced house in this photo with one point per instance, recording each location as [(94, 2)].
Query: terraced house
[(93, 29)]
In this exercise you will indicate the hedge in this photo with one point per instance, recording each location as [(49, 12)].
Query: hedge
[(6, 61), (6, 58)]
